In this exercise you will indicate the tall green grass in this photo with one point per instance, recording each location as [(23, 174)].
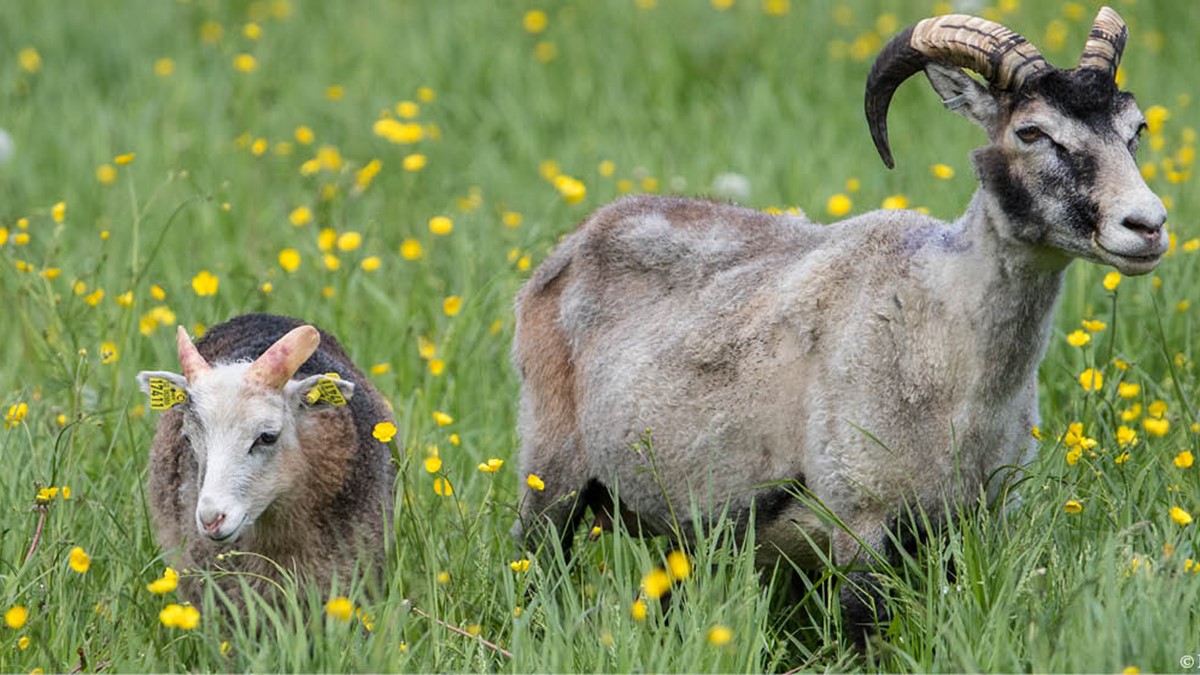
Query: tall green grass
[(672, 95)]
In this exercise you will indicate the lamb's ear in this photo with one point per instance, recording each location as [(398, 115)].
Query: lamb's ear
[(964, 94), (320, 390), (166, 390)]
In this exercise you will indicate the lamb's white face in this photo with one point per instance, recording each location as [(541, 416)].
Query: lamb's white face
[(241, 437), (241, 421)]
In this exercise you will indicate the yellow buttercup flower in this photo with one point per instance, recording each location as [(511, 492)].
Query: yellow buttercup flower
[(678, 565), (534, 482), (942, 171), (1073, 456), (205, 283), (300, 216), (1128, 390), (58, 212), (1111, 281), (29, 60), (719, 635), (1091, 380), (535, 21), (1184, 459), (164, 584), (410, 249), (1181, 517), (519, 566), (340, 608), (245, 63), (79, 560), (433, 464), (1093, 326), (491, 466), (1073, 507), (442, 487), (16, 414), (894, 202), (656, 583), (1126, 436), (838, 205), (384, 432), (638, 610), (106, 174), (414, 162), (452, 305), (442, 419), (289, 259), (1156, 426), (16, 616), (349, 241), (1078, 338)]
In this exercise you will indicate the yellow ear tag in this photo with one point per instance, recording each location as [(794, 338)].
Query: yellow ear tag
[(164, 395), (326, 391)]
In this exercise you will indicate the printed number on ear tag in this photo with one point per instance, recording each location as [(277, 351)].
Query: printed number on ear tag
[(326, 391), (164, 395)]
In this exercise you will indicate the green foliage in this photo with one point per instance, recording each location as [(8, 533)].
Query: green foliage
[(673, 94)]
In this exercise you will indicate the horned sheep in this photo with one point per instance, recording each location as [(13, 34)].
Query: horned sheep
[(888, 361), (265, 447)]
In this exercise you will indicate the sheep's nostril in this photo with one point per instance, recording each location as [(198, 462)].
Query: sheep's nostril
[(211, 526), (1143, 227)]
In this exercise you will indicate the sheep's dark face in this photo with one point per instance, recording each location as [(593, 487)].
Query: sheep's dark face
[(1062, 167)]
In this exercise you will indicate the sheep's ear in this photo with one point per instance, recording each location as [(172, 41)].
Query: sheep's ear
[(320, 391), (166, 390), (964, 94)]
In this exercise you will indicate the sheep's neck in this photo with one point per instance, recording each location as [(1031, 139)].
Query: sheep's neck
[(1011, 289)]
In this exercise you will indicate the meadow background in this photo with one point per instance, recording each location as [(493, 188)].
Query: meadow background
[(392, 171)]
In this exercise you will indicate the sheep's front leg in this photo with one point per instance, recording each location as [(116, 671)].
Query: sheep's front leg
[(859, 548), (551, 489)]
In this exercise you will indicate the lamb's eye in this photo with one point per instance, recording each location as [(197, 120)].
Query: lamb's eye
[(267, 439), (1030, 134)]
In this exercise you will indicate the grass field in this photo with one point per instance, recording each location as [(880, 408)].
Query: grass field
[(392, 171)]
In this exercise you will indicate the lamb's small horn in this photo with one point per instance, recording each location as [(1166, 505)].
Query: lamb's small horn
[(1105, 42), (190, 359), (1004, 58), (277, 365)]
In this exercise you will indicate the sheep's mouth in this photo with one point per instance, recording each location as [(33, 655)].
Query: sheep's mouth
[(1130, 264), (233, 534)]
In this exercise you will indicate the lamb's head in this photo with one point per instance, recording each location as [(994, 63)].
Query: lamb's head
[(244, 422), (1061, 160)]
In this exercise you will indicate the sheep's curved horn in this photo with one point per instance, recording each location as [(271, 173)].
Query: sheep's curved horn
[(1004, 58), (1105, 43), (190, 359), (277, 365)]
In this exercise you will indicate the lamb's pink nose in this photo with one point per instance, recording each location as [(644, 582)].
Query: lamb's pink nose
[(211, 526)]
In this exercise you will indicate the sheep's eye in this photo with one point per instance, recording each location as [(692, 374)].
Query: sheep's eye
[(1030, 134), (1136, 140), (267, 439)]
